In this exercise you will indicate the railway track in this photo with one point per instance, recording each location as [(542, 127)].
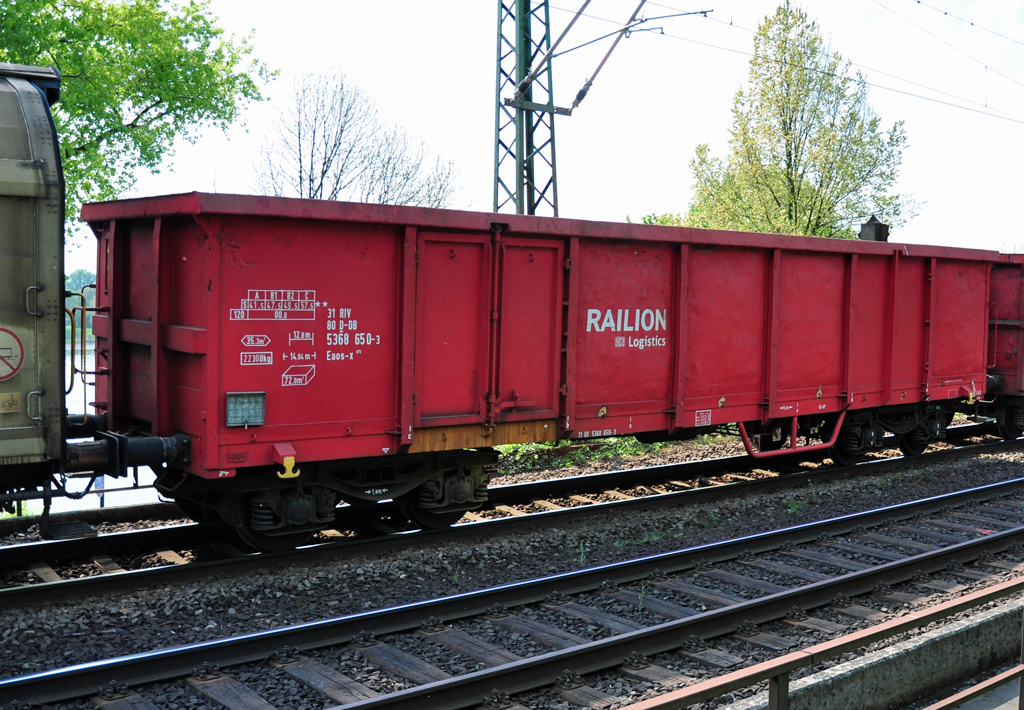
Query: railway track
[(565, 486), (645, 623), (695, 483)]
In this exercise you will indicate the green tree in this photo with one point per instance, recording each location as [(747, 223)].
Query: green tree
[(75, 282), (79, 279), (137, 74), (807, 153)]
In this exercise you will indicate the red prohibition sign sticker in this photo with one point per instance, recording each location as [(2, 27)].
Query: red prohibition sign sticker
[(12, 354)]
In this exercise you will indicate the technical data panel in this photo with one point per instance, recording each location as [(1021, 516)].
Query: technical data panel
[(309, 316)]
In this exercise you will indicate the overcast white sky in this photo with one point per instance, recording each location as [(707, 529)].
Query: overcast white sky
[(626, 151)]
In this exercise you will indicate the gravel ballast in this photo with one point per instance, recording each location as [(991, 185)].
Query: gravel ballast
[(34, 639)]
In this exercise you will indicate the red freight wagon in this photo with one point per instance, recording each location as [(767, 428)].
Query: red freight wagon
[(1006, 346), (380, 350)]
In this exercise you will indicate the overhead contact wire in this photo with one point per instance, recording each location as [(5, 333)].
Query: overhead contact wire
[(949, 44), (972, 24), (1000, 115)]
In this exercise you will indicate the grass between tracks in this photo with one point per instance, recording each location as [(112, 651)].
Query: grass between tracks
[(26, 510), (519, 458)]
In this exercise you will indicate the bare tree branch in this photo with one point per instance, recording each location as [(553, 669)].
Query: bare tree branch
[(329, 143)]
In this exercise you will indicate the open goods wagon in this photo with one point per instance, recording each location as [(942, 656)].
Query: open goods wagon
[(314, 351)]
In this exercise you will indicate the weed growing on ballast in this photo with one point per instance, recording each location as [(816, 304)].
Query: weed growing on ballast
[(793, 505)]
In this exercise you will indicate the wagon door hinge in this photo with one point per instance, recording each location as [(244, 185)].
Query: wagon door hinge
[(494, 408), (567, 264)]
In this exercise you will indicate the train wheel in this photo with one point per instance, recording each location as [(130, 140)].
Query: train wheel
[(1009, 431), (845, 457), (427, 519), (1011, 423), (262, 542), (252, 510), (913, 443)]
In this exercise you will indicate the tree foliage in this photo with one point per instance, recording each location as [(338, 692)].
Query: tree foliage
[(137, 74), (807, 153), (329, 143)]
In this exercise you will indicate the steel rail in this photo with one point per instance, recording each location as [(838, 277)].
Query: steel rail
[(500, 495), (349, 517), (178, 574), (95, 516), (162, 664), (539, 671), (562, 487), (168, 536)]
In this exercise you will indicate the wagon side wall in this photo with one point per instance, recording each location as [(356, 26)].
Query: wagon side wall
[(359, 331)]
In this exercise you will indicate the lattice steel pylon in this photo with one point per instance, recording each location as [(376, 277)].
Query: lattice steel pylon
[(525, 175)]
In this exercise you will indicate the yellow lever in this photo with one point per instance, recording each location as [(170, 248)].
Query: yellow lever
[(289, 468)]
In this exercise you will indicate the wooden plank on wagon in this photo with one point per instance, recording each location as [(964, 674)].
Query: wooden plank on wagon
[(44, 572), (334, 685), (230, 693), (402, 664), (470, 646)]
